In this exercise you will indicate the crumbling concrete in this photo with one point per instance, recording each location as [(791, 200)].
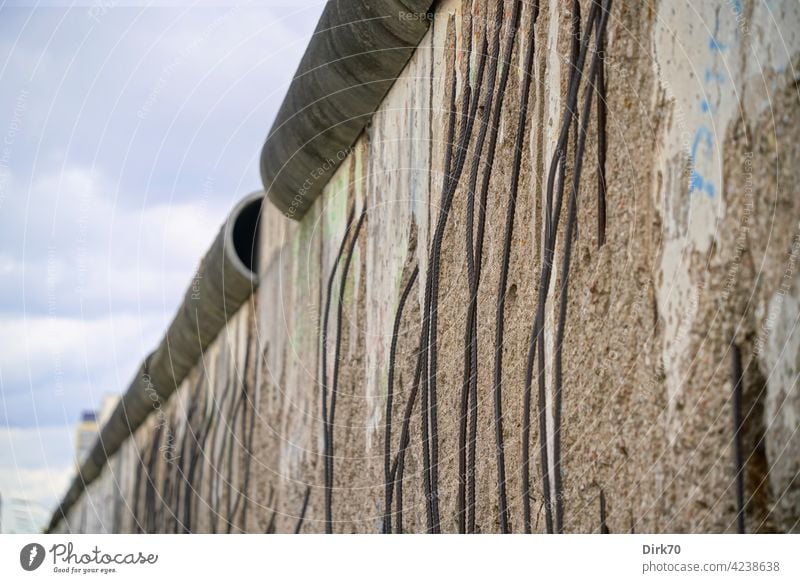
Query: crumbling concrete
[(700, 254)]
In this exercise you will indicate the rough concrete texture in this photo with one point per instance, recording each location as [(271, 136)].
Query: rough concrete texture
[(700, 257)]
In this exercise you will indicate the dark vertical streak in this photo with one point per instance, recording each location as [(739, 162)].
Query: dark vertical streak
[(247, 436), (118, 500), (505, 524), (336, 358), (738, 455), (324, 378), (271, 524), (576, 46), (468, 109), (566, 259), (222, 425), (181, 466), (474, 250), (387, 439), (137, 486), (552, 214), (250, 438), (229, 437), (193, 466), (602, 107), (603, 524), (572, 221), (425, 330), (431, 307), (468, 362), (150, 485), (300, 520), (404, 439)]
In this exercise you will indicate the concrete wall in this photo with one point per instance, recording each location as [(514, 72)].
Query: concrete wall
[(699, 262)]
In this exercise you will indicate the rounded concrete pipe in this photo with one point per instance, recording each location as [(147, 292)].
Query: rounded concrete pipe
[(358, 50), (224, 280)]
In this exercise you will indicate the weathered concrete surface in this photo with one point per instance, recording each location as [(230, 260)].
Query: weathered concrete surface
[(701, 251)]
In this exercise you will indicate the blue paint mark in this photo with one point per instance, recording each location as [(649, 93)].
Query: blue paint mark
[(696, 180), (714, 43), (737, 7), (704, 134), (712, 75)]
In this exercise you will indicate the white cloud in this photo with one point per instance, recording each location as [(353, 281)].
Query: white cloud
[(104, 215), (83, 346), (92, 286), (72, 249)]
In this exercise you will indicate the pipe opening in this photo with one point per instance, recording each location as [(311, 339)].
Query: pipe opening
[(245, 234)]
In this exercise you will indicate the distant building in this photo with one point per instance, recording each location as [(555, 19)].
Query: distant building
[(85, 435)]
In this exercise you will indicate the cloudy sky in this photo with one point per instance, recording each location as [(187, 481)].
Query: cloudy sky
[(127, 132)]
